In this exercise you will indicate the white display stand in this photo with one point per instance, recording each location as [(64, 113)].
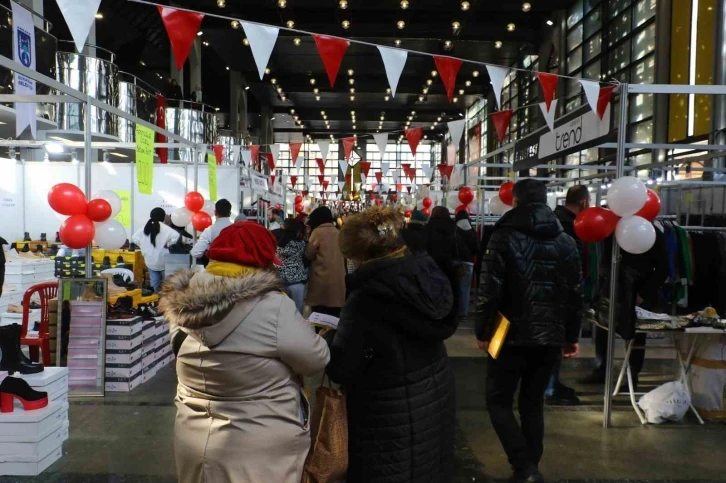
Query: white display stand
[(30, 441)]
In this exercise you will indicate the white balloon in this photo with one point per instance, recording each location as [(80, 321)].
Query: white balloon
[(208, 207), (635, 234), (113, 199), (627, 196), (110, 235), (497, 206), (181, 217)]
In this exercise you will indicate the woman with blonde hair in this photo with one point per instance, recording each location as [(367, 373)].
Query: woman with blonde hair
[(389, 354)]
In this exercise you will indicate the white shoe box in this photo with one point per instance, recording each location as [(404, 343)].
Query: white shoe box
[(8, 318), (21, 424), (37, 448), (123, 330), (123, 357), (123, 343), (51, 380), (148, 347), (124, 386), (123, 370), (26, 465), (148, 359), (148, 374)]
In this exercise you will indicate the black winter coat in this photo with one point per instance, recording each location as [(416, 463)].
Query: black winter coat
[(532, 275), (389, 354), (467, 245)]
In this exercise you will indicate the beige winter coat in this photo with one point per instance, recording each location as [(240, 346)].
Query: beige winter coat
[(326, 276), (241, 410)]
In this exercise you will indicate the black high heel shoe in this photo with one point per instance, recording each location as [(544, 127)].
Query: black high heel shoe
[(13, 360), (15, 388)]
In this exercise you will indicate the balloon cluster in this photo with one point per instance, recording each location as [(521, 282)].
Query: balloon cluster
[(466, 196), (87, 220), (196, 211), (503, 202), (633, 207)]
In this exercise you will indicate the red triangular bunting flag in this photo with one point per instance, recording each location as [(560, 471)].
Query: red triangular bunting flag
[(182, 28), (270, 161), (411, 173), (549, 85), (331, 50), (321, 164), (408, 188), (365, 166), (348, 144), (414, 137), (348, 178), (603, 100), (325, 184), (293, 181), (254, 153), (304, 193), (379, 177), (272, 179), (399, 186), (321, 178), (445, 170), (501, 123), (294, 151), (448, 70), (218, 153), (405, 167), (322, 194)]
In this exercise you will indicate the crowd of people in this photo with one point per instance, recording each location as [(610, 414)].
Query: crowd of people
[(400, 288)]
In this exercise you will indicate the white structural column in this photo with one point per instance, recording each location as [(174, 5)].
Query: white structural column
[(175, 74), (195, 69)]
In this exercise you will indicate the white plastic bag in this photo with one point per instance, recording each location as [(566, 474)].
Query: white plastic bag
[(669, 402)]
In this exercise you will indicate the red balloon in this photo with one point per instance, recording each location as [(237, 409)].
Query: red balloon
[(426, 202), (298, 200), (595, 224), (201, 220), (194, 201), (394, 197), (426, 211), (77, 232), (461, 208), (651, 208), (379, 201), (299, 208), (466, 195), (67, 199), (505, 193), (408, 213), (98, 210)]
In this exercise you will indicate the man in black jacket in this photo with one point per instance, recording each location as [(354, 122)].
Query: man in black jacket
[(532, 276), (577, 200)]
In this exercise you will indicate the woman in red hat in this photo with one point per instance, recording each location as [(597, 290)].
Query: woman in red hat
[(242, 414)]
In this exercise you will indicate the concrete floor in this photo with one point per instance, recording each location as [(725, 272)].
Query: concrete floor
[(128, 438)]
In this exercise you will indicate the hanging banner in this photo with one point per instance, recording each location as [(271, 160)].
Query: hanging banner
[(254, 154), (331, 50), (448, 70), (496, 77), (270, 161), (79, 15), (275, 153), (348, 144), (321, 165), (295, 150), (324, 148), (456, 129), (212, 164), (548, 82), (299, 162), (385, 167), (365, 167), (182, 28), (501, 121), (144, 159), (24, 53), (293, 181), (393, 61), (413, 136), (603, 100), (124, 216), (262, 40), (381, 142), (427, 170)]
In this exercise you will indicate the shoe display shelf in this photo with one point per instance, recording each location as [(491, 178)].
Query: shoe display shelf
[(123, 354), (30, 441), (85, 340), (68, 266), (20, 275), (133, 260)]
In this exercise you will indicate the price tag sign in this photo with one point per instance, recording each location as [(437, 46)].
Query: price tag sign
[(124, 216), (212, 163), (144, 159), (689, 197)]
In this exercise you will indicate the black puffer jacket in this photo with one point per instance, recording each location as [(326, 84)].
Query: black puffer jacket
[(532, 275), (567, 220), (389, 354)]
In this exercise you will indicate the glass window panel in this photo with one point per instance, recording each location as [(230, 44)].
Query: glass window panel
[(575, 14), (641, 133), (619, 58), (589, 4), (619, 28), (644, 71), (574, 60), (644, 10), (593, 23), (644, 42), (574, 38), (593, 47), (641, 107), (592, 71), (617, 6)]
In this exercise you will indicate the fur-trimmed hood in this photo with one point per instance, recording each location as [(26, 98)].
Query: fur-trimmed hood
[(209, 307)]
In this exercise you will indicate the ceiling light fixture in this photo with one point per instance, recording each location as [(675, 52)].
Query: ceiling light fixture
[(475, 73), (267, 71), (282, 3), (234, 24), (290, 24), (221, 3), (511, 27), (456, 99), (448, 45), (316, 91), (346, 24), (498, 44), (467, 83), (246, 41), (351, 81), (312, 81), (387, 98), (456, 26), (550, 23), (398, 42), (343, 4), (352, 98), (429, 82), (465, 6), (296, 41), (401, 25), (273, 81), (434, 73)]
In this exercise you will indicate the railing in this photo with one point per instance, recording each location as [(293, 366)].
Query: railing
[(47, 25), (111, 57)]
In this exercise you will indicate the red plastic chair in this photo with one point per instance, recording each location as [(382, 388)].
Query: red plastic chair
[(47, 291)]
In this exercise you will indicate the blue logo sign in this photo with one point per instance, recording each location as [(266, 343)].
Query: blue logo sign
[(24, 54)]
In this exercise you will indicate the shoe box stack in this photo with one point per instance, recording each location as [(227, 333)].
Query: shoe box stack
[(20, 275), (134, 261), (30, 441), (85, 363), (69, 266), (157, 348)]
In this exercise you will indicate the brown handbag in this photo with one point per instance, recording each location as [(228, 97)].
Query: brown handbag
[(327, 461)]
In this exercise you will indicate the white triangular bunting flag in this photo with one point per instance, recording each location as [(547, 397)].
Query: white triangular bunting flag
[(275, 151), (385, 167), (324, 147), (456, 128), (427, 170), (385, 187), (363, 178), (79, 15), (497, 76), (393, 61), (307, 181), (334, 179), (235, 153), (381, 142), (343, 166), (549, 116), (246, 157), (299, 162), (341, 185), (262, 41), (592, 92)]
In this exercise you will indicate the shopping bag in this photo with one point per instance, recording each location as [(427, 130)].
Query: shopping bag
[(327, 461), (500, 335), (669, 402)]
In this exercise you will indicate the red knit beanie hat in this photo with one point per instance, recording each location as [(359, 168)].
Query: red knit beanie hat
[(245, 243)]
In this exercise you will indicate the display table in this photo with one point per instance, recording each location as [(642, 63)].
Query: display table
[(30, 441)]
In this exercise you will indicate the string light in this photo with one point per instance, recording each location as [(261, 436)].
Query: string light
[(282, 3), (398, 42), (351, 72), (401, 25), (246, 41), (475, 73), (297, 41), (312, 81), (465, 6), (498, 44), (429, 81), (404, 4), (221, 3), (434, 73), (290, 24), (387, 98), (467, 83), (343, 4), (316, 91), (351, 81), (526, 7), (346, 24), (511, 27), (234, 24), (456, 26), (267, 71)]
